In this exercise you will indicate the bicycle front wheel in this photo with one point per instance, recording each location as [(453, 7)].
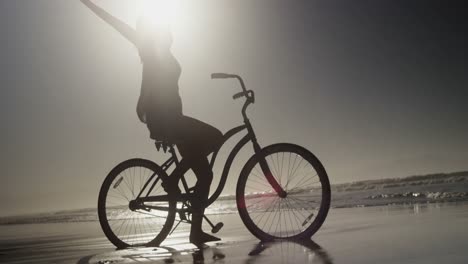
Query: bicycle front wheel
[(301, 212), (125, 222)]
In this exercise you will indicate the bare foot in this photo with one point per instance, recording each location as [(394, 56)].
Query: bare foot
[(201, 238)]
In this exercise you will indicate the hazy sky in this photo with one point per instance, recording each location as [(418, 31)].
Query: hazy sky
[(375, 89)]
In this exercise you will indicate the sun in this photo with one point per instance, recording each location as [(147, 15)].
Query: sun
[(161, 12)]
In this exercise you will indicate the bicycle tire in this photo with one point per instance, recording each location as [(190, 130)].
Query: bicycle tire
[(146, 233), (300, 225)]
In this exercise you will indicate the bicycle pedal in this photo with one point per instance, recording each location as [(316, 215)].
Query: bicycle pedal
[(217, 227)]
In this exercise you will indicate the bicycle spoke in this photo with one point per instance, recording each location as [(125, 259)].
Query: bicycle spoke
[(261, 178), (289, 216), (272, 205), (121, 193), (276, 213), (274, 216), (125, 181), (302, 186), (282, 161), (297, 219), (262, 200), (293, 165), (121, 198), (136, 227), (305, 177), (305, 206), (259, 188), (295, 169), (292, 177)]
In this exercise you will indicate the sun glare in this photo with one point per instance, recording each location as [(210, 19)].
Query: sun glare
[(161, 12)]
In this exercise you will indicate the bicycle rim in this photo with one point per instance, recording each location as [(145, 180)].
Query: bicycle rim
[(124, 225), (298, 215)]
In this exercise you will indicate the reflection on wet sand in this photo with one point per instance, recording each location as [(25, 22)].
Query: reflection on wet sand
[(300, 251), (305, 251)]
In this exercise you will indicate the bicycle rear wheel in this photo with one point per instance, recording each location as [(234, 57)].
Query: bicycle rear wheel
[(297, 215), (126, 223)]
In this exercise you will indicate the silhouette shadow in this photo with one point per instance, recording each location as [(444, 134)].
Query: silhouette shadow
[(156, 255), (306, 251), (289, 251)]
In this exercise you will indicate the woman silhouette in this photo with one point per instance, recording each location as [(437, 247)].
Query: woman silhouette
[(160, 108)]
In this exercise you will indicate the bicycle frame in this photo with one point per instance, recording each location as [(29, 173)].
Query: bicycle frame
[(250, 136), (174, 160)]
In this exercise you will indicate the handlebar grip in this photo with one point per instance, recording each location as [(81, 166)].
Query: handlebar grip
[(220, 75), (239, 95)]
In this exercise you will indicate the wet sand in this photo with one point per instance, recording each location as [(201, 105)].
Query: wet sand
[(429, 233)]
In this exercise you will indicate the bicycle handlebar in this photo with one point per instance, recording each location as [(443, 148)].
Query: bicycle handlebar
[(220, 75), (248, 94)]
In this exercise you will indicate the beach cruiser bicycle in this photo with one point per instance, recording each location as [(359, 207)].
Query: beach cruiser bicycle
[(283, 191)]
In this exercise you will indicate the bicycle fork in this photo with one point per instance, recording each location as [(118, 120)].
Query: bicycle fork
[(266, 169), (271, 179)]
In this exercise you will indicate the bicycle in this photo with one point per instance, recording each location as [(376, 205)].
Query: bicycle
[(273, 202)]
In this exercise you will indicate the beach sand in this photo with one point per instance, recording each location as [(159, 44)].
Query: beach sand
[(424, 233)]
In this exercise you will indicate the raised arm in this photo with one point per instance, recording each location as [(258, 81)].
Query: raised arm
[(124, 29)]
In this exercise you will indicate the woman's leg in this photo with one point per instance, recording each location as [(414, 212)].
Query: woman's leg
[(197, 137), (201, 167), (195, 141), (199, 140)]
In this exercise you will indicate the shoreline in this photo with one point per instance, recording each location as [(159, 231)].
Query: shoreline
[(378, 234), (30, 219), (431, 188)]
